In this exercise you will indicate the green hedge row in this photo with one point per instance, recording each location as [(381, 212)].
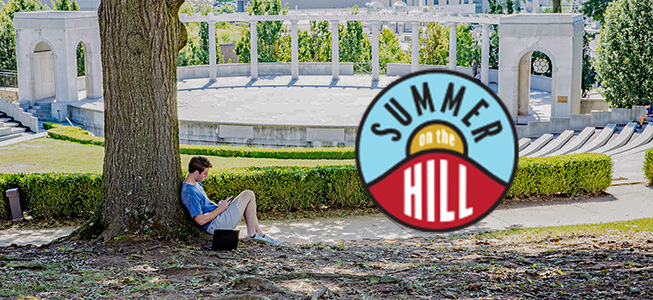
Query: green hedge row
[(648, 165), (566, 174), (78, 135), (283, 189), (52, 194)]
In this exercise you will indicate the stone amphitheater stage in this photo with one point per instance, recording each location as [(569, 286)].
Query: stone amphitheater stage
[(276, 110)]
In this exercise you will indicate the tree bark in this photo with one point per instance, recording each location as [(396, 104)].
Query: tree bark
[(142, 176)]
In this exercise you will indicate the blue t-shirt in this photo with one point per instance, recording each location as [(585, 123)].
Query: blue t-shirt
[(649, 110), (196, 201)]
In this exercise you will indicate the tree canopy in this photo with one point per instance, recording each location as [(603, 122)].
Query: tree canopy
[(624, 53)]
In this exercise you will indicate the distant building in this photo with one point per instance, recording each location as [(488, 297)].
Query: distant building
[(445, 5)]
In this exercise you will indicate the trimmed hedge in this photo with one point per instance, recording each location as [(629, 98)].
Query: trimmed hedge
[(566, 174), (54, 195), (78, 135), (648, 165), (284, 189)]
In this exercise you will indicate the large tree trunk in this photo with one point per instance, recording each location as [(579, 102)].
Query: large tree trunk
[(142, 177)]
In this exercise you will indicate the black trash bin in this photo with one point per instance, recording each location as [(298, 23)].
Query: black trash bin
[(225, 240)]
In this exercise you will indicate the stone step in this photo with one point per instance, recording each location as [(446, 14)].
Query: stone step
[(6, 119), (18, 129), (5, 131), (38, 111), (9, 124), (10, 136), (42, 117)]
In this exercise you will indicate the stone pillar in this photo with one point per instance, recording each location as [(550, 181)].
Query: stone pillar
[(452, 46), (213, 68), (253, 58), (485, 54), (414, 62), (24, 60), (375, 50), (294, 48), (93, 70), (335, 55)]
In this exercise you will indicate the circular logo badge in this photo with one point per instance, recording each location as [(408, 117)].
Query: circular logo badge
[(436, 150)]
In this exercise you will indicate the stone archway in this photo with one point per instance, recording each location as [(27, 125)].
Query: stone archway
[(43, 72), (64, 32), (560, 37), (533, 89)]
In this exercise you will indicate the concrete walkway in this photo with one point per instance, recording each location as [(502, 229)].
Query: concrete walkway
[(625, 202)]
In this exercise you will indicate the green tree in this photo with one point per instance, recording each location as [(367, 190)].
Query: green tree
[(142, 169), (7, 33), (315, 44), (390, 50), (466, 46), (65, 5), (624, 53), (268, 33), (434, 45), (595, 9), (589, 72)]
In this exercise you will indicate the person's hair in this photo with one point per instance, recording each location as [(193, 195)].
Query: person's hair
[(647, 103), (199, 163)]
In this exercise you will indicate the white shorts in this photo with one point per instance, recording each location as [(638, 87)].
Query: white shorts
[(227, 220)]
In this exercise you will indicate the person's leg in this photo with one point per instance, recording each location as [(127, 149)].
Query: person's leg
[(246, 203)]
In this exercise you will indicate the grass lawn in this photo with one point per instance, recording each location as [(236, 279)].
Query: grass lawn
[(49, 155)]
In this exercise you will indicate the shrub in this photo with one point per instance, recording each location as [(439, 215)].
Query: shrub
[(624, 53), (286, 189), (648, 165), (78, 135), (567, 174), (53, 194)]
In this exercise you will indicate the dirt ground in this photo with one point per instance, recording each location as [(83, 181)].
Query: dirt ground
[(568, 265)]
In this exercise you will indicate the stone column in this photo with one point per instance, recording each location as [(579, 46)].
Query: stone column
[(485, 54), (213, 68), (253, 58), (414, 62), (375, 50), (335, 55), (294, 48), (93, 70), (452, 46)]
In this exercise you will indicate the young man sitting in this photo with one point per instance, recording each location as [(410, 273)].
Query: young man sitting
[(224, 215), (648, 116)]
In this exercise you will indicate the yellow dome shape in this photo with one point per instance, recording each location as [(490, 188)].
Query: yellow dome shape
[(437, 136)]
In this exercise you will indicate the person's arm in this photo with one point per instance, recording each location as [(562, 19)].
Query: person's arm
[(209, 216)]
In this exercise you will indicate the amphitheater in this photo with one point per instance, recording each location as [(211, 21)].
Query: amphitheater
[(321, 104)]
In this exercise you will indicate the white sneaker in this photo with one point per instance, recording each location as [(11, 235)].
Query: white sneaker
[(266, 238)]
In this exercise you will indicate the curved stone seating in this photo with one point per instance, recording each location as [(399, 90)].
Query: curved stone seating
[(602, 138), (644, 138), (537, 145), (554, 145), (575, 142), (523, 143), (621, 139)]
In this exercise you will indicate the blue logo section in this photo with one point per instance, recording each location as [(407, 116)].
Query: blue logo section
[(496, 152)]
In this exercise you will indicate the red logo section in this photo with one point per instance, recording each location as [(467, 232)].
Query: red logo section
[(437, 191)]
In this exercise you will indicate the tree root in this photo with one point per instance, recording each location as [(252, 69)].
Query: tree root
[(244, 297), (319, 293), (371, 278), (249, 282)]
